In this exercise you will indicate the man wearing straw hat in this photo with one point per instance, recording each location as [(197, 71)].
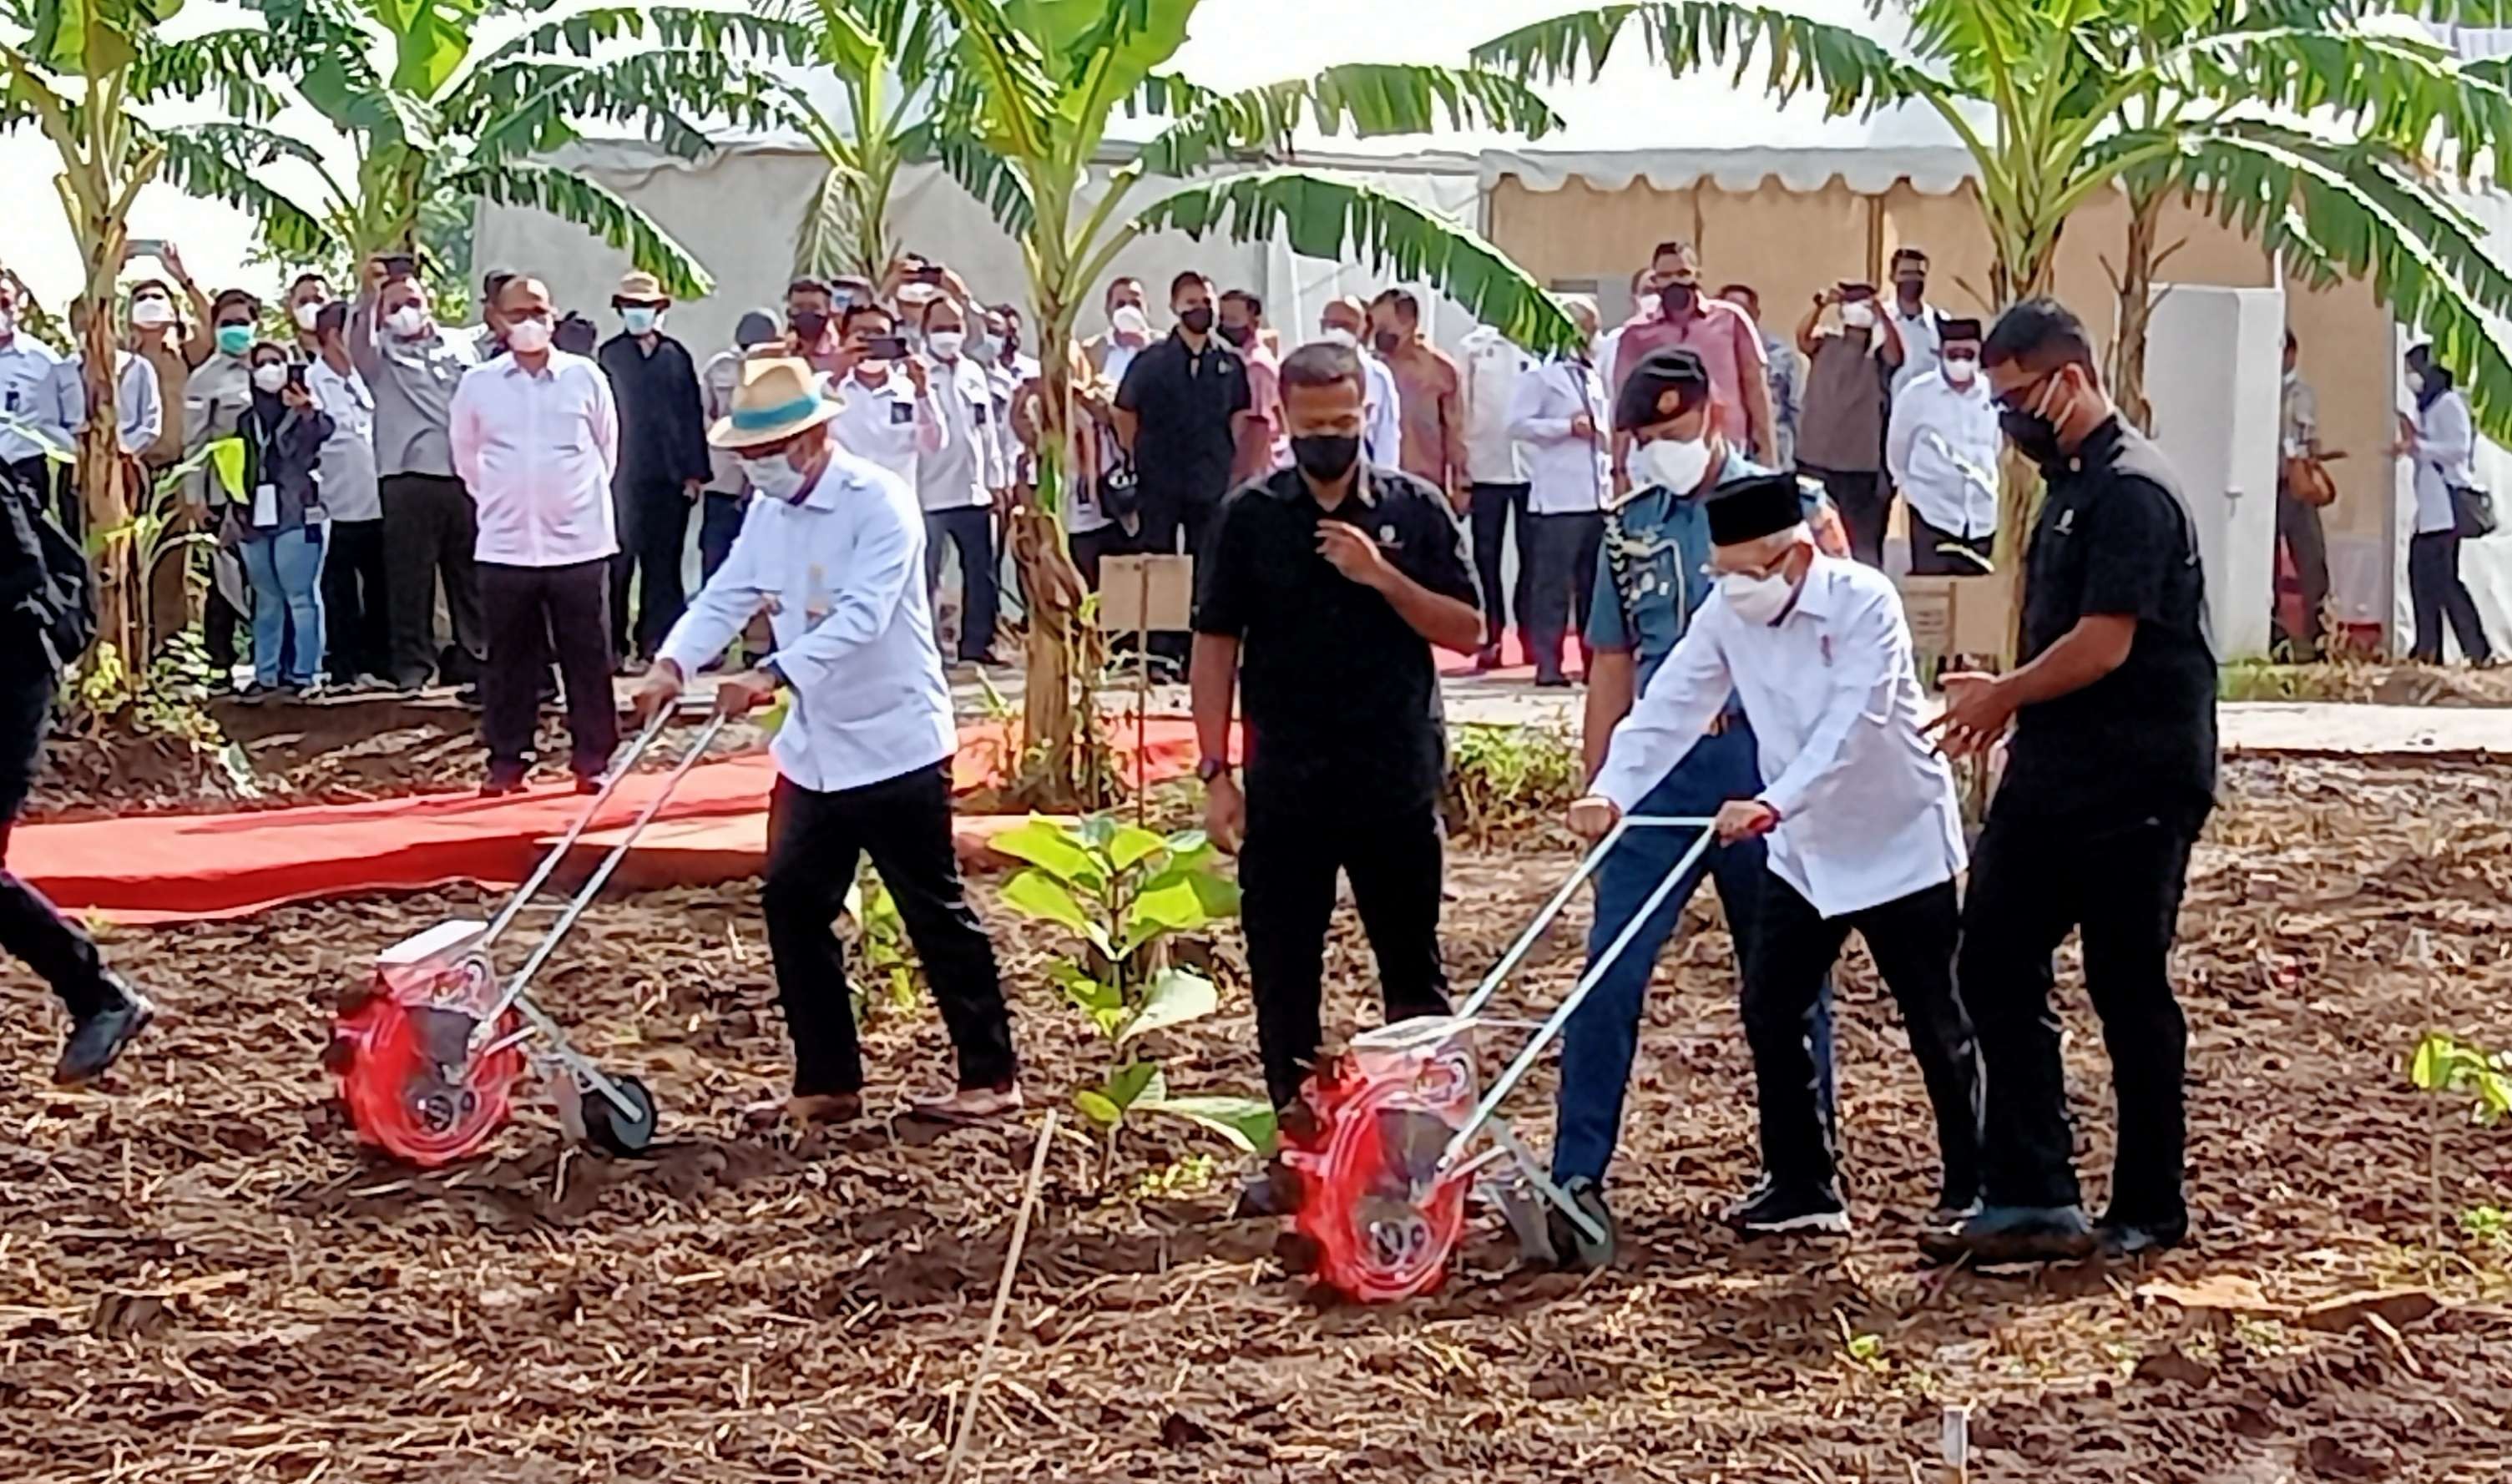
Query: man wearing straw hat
[(832, 549)]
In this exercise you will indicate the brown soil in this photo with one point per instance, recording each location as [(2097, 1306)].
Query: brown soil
[(201, 1280)]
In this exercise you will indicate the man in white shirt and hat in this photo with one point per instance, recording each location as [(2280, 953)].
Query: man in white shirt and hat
[(833, 550), (1862, 828)]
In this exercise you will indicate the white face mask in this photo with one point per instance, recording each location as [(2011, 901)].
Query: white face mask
[(270, 376), (773, 476), (531, 337), (641, 318), (1756, 600), (1857, 316), (2416, 379), (1960, 370), (1672, 465), (307, 313), (151, 313), (407, 322), (986, 349), (1343, 337), (946, 343)]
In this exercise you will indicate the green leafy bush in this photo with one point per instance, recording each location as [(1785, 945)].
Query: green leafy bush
[(1122, 891), (1511, 777), (2444, 1065)]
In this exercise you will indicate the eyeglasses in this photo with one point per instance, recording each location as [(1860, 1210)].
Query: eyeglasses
[(2027, 397)]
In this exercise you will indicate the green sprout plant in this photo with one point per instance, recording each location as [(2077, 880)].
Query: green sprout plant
[(888, 977), (1124, 893), (2446, 1064)]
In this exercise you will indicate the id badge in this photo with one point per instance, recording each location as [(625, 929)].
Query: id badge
[(265, 505)]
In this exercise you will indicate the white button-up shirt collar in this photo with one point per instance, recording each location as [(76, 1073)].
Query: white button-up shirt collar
[(1943, 450), (35, 415), (841, 575), (1567, 473), (887, 424), (538, 449), (1867, 812), (970, 465)]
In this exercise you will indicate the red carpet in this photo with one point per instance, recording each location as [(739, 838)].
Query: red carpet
[(163, 868), (1514, 665)]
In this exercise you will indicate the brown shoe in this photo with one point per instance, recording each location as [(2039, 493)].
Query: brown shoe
[(972, 1105), (805, 1111)]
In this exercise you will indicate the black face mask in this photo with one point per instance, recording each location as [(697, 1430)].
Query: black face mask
[(1327, 456), (808, 325), (1678, 298), (1198, 320), (1388, 342), (1241, 336), (2033, 436)]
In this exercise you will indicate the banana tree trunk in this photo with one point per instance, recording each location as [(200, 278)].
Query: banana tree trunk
[(1065, 762), (2136, 310)]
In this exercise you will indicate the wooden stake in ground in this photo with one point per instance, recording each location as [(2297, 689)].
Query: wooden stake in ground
[(1003, 1299)]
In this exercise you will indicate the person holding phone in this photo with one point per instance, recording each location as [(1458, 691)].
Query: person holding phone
[(1850, 350), (886, 410), (355, 628), (276, 524), (413, 366)]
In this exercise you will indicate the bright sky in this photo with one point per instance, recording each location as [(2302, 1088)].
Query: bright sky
[(1235, 43)]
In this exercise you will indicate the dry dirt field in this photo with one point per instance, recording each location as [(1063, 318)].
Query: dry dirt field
[(202, 1279)]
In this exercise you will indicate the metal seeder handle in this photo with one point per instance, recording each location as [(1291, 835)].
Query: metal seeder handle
[(1516, 1069), (620, 766)]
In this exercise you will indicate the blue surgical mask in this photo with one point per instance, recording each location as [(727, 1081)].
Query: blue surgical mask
[(641, 318), (234, 339)]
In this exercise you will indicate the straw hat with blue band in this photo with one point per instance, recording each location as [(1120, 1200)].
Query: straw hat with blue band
[(777, 398)]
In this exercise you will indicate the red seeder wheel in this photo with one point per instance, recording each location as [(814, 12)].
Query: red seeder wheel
[(410, 1085), (1359, 1165)]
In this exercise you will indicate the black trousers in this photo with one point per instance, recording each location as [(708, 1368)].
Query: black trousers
[(2031, 881), (1170, 525), (31, 929), (1865, 503), (1939, 553), (429, 533), (718, 524), (354, 622), (653, 531), (1913, 942), (1488, 513), (1089, 546), (2307, 541), (529, 610), (2436, 593), (815, 842), (1556, 598), (1296, 843), (970, 528)]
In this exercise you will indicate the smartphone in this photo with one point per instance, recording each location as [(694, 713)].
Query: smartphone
[(297, 374), (144, 247), (931, 273), (1851, 293), (399, 266), (886, 347)]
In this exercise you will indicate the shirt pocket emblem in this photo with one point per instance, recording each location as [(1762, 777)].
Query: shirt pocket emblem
[(902, 413)]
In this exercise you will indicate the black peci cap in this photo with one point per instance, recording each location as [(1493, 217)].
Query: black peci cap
[(1750, 509), (1644, 397), (1958, 330)]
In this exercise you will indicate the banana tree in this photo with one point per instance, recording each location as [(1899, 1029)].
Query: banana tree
[(2058, 100), (887, 56), (84, 73), (432, 117), (1035, 85)]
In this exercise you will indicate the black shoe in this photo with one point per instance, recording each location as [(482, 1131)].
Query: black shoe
[(97, 1041), (502, 783), (2131, 1238), (1772, 1209), (1486, 659), (2000, 1235), (1552, 683), (588, 783), (256, 693), (1260, 1199), (1949, 1212), (469, 695)]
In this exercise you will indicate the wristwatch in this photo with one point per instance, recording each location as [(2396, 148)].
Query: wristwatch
[(1211, 768)]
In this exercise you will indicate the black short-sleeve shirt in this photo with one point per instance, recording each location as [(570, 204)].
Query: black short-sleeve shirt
[(1184, 399), (1340, 696), (2115, 537)]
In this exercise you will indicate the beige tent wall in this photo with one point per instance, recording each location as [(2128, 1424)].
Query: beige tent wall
[(1791, 243)]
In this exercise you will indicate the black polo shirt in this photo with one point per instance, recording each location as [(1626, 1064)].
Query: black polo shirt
[(1339, 695), (2115, 537), (1184, 399)]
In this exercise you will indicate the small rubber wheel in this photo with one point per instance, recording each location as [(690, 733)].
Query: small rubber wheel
[(613, 1132), (1570, 1245)]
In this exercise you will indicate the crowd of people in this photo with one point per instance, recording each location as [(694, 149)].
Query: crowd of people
[(1700, 504)]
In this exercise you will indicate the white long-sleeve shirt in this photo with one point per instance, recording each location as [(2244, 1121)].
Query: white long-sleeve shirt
[(1868, 813), (841, 573), (2445, 437), (1942, 447), (1491, 368), (36, 413), (970, 465), (1381, 437), (538, 449), (138, 407), (1566, 473), (889, 425), (348, 471)]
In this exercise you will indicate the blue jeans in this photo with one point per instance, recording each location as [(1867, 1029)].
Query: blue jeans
[(1603, 1037), (286, 569)]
